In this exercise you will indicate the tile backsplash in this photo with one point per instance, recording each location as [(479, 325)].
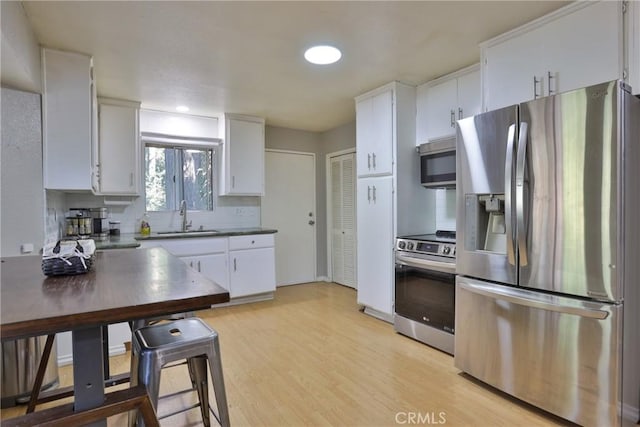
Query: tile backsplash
[(446, 209), (228, 212)]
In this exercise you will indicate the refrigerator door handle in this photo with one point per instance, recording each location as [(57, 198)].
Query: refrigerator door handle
[(520, 164), (508, 168), (525, 298)]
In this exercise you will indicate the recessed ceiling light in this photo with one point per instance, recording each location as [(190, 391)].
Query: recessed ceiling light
[(182, 108), (322, 55)]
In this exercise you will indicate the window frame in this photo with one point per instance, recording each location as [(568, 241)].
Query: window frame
[(179, 145)]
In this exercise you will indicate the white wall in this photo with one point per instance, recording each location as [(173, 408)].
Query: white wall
[(22, 203), (184, 125), (20, 65)]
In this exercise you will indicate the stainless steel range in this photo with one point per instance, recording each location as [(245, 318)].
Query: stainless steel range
[(425, 288)]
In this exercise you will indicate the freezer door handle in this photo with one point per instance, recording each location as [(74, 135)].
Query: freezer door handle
[(508, 168), (520, 164), (529, 299)]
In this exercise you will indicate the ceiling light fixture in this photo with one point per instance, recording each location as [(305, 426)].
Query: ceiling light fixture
[(182, 108), (322, 55)]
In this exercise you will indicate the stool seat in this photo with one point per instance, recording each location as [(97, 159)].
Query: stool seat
[(192, 339), (191, 330)]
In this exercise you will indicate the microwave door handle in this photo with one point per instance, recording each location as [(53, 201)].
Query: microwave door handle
[(508, 169), (520, 164)]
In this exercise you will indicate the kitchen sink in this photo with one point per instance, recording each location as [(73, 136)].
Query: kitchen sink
[(189, 231)]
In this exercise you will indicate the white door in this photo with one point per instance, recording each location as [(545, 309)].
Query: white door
[(289, 206), (342, 217)]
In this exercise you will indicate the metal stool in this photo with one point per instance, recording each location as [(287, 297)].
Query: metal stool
[(191, 339)]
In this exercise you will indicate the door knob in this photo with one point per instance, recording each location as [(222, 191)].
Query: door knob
[(311, 222)]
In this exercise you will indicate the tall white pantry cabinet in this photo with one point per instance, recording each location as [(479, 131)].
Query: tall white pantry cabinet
[(387, 184)]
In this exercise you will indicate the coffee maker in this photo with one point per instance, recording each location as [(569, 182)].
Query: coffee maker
[(78, 224), (100, 224)]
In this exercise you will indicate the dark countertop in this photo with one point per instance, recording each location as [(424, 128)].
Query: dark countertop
[(123, 241), (225, 232), (131, 240)]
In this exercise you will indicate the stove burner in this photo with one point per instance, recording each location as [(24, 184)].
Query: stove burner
[(446, 233)]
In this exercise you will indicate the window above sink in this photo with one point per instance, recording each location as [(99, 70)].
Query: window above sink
[(179, 169)]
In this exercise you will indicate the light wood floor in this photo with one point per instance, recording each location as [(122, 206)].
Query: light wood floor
[(311, 358)]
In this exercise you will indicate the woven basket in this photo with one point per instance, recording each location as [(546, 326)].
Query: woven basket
[(67, 266)]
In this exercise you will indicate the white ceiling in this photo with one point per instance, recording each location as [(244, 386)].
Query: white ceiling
[(246, 57)]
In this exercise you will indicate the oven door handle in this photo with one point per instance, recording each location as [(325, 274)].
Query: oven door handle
[(443, 267)]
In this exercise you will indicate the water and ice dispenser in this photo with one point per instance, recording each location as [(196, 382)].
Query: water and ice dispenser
[(484, 223)]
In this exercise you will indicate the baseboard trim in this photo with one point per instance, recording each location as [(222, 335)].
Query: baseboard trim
[(246, 300), (323, 279), (630, 413), (378, 314)]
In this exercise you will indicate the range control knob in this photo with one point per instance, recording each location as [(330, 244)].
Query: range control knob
[(446, 250), (401, 244), (410, 246)]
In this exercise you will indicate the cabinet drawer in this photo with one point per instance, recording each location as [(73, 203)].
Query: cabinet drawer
[(190, 246), (251, 241)]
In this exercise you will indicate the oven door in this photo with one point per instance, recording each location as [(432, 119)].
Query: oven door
[(425, 291)]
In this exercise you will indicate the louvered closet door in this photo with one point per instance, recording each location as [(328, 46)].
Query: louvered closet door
[(343, 254)]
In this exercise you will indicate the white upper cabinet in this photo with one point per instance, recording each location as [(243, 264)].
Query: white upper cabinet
[(469, 103), (243, 166), (374, 132), (118, 168), (576, 46), (442, 101), (68, 120)]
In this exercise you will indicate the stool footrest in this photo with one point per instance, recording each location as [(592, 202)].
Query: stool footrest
[(179, 411), (176, 393)]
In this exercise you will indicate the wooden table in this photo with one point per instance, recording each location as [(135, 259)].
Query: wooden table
[(124, 285)]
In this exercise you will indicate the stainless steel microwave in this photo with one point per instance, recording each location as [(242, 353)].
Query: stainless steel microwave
[(438, 163)]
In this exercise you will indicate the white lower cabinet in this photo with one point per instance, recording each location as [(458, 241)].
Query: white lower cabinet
[(375, 244), (208, 255), (252, 265), (244, 265), (213, 266)]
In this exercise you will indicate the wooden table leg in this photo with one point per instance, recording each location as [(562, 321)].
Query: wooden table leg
[(135, 398), (42, 368)]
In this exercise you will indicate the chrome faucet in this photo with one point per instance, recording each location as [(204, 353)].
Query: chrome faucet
[(183, 214)]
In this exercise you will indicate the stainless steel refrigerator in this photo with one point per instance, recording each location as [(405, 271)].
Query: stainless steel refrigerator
[(548, 262)]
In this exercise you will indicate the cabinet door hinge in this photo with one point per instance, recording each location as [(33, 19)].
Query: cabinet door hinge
[(625, 5)]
